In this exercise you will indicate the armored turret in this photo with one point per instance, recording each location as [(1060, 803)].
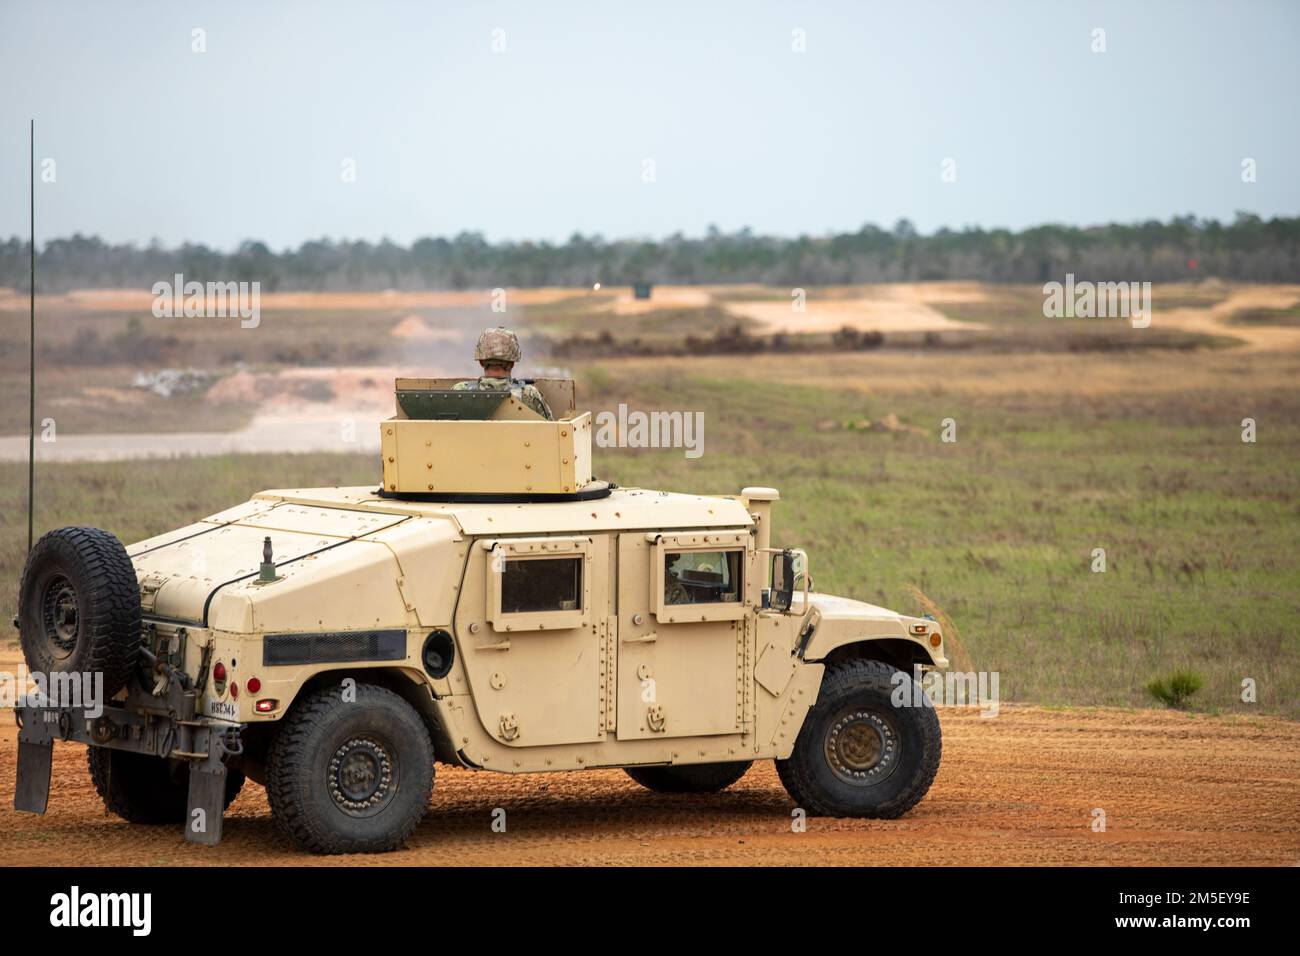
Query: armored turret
[(445, 444)]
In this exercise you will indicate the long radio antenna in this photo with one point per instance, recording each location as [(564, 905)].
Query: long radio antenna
[(31, 392)]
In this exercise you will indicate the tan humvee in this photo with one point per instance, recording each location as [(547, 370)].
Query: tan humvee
[(491, 605)]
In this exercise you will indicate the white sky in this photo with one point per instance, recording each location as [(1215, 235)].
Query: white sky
[(549, 137)]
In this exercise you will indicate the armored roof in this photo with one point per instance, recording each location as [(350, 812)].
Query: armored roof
[(622, 509)]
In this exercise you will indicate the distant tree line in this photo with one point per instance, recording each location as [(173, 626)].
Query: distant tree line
[(1249, 248)]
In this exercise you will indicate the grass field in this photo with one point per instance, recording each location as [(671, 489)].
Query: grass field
[(1138, 454)]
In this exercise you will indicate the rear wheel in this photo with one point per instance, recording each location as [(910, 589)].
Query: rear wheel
[(858, 754), (79, 607), (689, 778), (350, 776), (141, 788)]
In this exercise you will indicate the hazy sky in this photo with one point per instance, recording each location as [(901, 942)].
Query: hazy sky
[(551, 135)]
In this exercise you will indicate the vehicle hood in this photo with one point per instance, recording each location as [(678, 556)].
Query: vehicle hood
[(832, 607), (207, 573)]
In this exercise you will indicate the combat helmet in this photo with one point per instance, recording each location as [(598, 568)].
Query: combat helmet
[(498, 344)]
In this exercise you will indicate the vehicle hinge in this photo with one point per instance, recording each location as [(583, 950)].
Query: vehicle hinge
[(608, 674)]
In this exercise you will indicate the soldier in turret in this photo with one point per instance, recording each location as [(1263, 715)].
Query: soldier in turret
[(498, 351)]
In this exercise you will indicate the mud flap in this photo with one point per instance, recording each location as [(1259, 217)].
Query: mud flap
[(207, 802), (32, 786)]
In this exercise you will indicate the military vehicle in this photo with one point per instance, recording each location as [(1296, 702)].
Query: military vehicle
[(490, 605)]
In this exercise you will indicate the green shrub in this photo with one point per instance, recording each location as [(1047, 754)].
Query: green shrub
[(1175, 691)]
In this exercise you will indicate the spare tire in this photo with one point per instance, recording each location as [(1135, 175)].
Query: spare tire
[(79, 607)]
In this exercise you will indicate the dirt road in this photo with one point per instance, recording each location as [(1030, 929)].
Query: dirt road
[(1021, 788), (1217, 320), (357, 433), (287, 421), (888, 307)]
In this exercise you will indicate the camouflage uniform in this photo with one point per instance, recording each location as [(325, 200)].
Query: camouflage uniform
[(501, 345), (674, 591), (528, 394)]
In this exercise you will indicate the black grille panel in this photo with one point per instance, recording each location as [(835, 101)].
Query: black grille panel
[(334, 647)]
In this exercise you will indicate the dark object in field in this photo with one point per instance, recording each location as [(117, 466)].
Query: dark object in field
[(850, 339), (730, 340)]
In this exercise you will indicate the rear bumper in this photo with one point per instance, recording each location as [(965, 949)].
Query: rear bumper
[(204, 742)]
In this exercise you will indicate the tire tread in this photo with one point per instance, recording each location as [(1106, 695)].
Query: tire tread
[(286, 768), (140, 791), (842, 677), (97, 564)]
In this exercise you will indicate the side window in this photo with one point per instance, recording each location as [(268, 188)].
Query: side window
[(538, 584), (700, 576), (703, 577), (541, 584)]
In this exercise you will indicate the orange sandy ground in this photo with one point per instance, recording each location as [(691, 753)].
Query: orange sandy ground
[(1020, 788)]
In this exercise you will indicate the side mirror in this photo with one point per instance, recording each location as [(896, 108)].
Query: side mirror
[(781, 595)]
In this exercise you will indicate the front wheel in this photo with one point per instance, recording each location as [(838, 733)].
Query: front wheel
[(858, 754), (350, 776)]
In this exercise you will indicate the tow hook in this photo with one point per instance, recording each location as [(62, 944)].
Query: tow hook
[(231, 742)]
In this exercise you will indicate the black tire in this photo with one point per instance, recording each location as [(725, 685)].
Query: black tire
[(689, 778), (141, 788), (79, 607), (859, 755), (350, 776)]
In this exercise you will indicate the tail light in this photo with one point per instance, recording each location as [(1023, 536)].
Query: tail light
[(266, 706), (219, 678)]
